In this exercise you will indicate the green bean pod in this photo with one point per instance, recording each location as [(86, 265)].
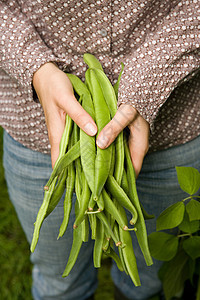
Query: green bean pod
[(41, 215), (57, 192), (103, 157), (78, 191), (129, 256), (83, 203), (87, 143), (116, 232), (78, 85), (100, 203), (103, 218), (140, 224), (112, 166), (119, 164), (111, 100), (65, 136), (114, 211), (107, 90), (93, 225), (92, 204), (75, 249), (88, 155), (92, 61), (106, 242), (85, 229), (124, 182), (98, 245), (112, 254), (67, 205), (119, 194), (64, 162), (116, 85)]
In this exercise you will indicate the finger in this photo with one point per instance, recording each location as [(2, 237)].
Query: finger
[(80, 116), (123, 117), (138, 142), (55, 125)]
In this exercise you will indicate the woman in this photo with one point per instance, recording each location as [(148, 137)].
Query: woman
[(158, 100)]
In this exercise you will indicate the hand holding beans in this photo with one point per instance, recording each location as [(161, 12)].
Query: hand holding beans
[(57, 98), (103, 179), (126, 115)]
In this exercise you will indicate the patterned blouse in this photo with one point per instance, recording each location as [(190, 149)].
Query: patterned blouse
[(157, 40)]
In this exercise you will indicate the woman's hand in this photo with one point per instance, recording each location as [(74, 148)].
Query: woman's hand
[(139, 133), (57, 98)]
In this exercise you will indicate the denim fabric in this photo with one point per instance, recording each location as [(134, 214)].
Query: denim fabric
[(27, 172)]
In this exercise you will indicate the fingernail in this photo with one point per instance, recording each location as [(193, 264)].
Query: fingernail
[(90, 129), (102, 143)]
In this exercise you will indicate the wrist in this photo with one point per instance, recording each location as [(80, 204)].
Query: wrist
[(43, 72)]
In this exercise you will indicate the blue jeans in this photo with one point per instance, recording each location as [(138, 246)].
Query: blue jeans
[(27, 172)]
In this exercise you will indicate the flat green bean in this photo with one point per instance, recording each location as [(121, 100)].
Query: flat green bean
[(92, 61), (41, 215), (67, 205), (88, 146), (124, 182), (115, 257), (116, 85), (116, 232), (75, 249), (119, 194), (140, 224), (83, 203), (57, 192), (129, 256), (114, 211), (102, 217), (98, 245), (93, 225), (85, 229), (107, 90), (64, 162), (103, 157)]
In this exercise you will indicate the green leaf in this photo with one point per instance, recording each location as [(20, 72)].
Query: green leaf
[(187, 225), (163, 246), (174, 274), (189, 179), (192, 246), (193, 210), (171, 217)]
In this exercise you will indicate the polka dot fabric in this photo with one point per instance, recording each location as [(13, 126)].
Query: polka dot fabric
[(157, 40)]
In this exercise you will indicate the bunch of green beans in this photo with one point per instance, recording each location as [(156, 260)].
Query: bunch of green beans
[(103, 180)]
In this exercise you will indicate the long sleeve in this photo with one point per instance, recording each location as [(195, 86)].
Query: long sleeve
[(22, 51), (168, 56)]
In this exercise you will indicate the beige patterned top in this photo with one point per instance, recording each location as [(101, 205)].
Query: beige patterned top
[(158, 41)]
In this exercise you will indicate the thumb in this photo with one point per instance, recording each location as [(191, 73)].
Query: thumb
[(138, 142), (123, 117)]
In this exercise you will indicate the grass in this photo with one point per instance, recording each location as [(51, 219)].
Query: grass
[(15, 266)]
